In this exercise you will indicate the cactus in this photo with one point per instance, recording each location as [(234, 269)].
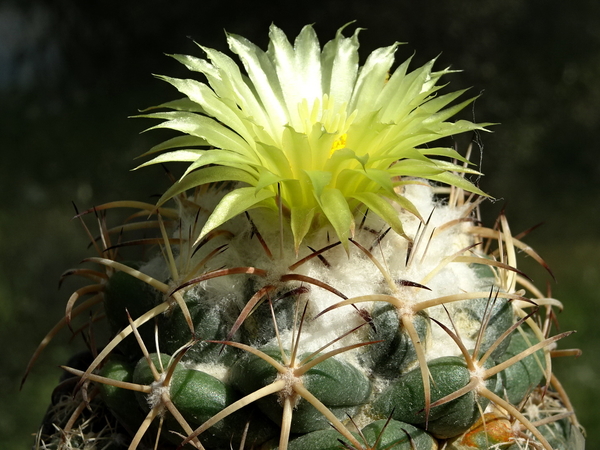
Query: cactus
[(318, 278)]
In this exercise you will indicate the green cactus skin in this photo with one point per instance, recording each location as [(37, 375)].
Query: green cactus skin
[(198, 396), (327, 439), (395, 352), (122, 402), (378, 435), (523, 376), (318, 279), (404, 398), (338, 385), (397, 435), (209, 323)]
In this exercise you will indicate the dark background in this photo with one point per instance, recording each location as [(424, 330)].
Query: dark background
[(72, 71)]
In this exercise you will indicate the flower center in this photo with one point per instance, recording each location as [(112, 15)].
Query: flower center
[(338, 144), (333, 118)]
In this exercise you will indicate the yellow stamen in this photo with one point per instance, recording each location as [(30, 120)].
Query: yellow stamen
[(338, 144)]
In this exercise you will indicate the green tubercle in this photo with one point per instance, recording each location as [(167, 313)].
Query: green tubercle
[(311, 132)]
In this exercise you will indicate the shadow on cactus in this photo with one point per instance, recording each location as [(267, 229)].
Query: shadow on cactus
[(318, 278)]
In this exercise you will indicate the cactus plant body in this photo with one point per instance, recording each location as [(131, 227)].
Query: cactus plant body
[(318, 278)]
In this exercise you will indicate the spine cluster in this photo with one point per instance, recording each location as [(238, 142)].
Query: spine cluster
[(410, 342)]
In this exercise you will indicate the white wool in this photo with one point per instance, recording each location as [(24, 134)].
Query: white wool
[(352, 273), (219, 371), (156, 269)]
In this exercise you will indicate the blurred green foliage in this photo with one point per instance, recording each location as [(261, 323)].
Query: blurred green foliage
[(71, 72)]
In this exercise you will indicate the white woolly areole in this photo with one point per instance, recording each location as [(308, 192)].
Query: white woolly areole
[(426, 262), (355, 275), (159, 388)]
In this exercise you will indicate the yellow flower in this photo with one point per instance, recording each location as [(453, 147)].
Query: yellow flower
[(311, 124)]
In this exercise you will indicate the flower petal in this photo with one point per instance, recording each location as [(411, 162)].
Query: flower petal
[(264, 79), (234, 203), (204, 127), (383, 209), (207, 175), (371, 79), (177, 155), (178, 142), (298, 69), (339, 66), (311, 126), (335, 207), (301, 218)]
